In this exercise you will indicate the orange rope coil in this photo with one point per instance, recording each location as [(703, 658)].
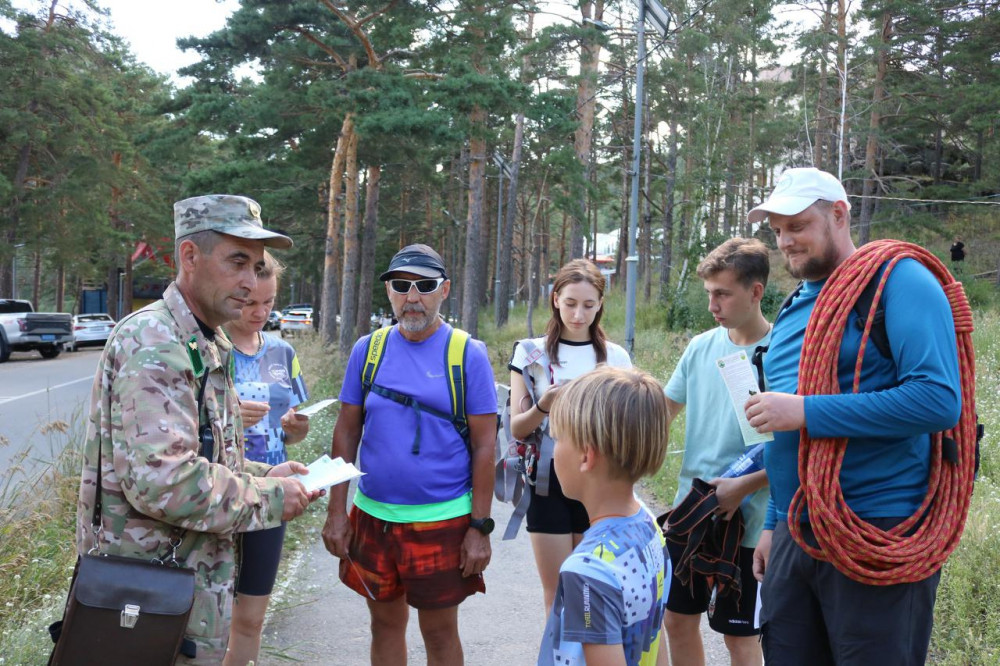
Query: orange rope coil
[(857, 549)]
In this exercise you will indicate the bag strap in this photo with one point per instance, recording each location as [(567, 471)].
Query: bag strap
[(454, 358), (207, 447)]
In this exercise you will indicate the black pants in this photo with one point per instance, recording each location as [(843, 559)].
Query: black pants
[(813, 615)]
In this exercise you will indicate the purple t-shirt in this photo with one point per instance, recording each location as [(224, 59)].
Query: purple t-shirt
[(441, 471)]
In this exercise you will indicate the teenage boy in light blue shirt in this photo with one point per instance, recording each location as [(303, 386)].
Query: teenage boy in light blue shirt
[(735, 274)]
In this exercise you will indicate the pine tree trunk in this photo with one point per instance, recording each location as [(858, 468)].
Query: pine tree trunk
[(368, 235), (586, 105), (60, 288), (36, 281), (871, 148), (666, 247), (474, 228), (352, 249), (841, 53), (507, 230), (331, 258)]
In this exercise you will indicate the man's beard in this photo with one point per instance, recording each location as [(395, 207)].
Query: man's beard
[(413, 324), (817, 268)]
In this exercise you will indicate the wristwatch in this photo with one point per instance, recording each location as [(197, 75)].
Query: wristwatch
[(484, 525)]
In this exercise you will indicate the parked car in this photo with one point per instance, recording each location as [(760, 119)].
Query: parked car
[(296, 320), (273, 322), (296, 306), (23, 329), (90, 330)]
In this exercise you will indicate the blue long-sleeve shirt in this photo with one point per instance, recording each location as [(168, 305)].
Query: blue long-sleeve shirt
[(901, 400)]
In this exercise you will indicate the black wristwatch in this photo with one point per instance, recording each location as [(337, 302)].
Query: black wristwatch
[(484, 525)]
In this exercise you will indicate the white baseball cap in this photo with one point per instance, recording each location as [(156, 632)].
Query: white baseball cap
[(797, 189)]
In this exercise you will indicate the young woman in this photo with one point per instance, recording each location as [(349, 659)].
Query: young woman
[(270, 385), (574, 344)]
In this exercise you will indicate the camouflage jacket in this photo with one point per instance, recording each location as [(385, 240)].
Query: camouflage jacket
[(154, 483)]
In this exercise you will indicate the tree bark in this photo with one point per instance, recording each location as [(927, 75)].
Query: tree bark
[(586, 104), (820, 155), (871, 147), (474, 228), (666, 247), (841, 53), (331, 259), (373, 188), (352, 250), (60, 287)]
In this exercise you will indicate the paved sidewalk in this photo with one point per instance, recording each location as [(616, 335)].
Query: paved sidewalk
[(319, 621)]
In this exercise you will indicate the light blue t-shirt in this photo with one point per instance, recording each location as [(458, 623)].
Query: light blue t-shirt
[(611, 592), (271, 375), (712, 437)]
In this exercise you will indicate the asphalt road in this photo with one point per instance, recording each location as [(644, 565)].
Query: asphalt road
[(37, 394)]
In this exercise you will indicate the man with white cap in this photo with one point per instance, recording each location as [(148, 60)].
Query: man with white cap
[(811, 612), (165, 423)]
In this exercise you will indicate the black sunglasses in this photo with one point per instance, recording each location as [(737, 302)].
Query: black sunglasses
[(425, 286)]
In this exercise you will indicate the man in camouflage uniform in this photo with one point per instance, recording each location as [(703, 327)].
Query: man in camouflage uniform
[(144, 422)]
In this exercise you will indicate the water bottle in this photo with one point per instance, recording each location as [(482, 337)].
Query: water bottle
[(748, 463)]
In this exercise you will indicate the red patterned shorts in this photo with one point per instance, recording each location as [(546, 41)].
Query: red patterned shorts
[(418, 560)]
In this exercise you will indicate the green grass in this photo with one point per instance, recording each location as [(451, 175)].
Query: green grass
[(37, 518)]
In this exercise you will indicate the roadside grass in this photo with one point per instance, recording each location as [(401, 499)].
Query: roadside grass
[(37, 516), (37, 551)]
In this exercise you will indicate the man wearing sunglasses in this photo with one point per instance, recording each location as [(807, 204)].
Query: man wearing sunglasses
[(418, 533)]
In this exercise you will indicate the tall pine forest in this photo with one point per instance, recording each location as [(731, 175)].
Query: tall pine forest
[(487, 128)]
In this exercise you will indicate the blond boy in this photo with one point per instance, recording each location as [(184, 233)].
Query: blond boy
[(610, 427)]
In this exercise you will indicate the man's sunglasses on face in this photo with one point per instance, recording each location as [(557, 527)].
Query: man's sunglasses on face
[(424, 286)]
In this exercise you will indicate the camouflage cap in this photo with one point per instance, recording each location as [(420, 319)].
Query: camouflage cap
[(228, 214)]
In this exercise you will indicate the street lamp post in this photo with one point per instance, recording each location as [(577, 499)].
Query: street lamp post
[(660, 19)]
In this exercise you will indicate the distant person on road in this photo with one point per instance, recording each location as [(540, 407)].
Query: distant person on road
[(610, 427), (958, 249), (812, 613), (574, 343), (270, 386), (163, 377), (418, 534), (734, 274)]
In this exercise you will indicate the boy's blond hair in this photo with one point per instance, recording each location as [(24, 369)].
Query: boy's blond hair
[(621, 413)]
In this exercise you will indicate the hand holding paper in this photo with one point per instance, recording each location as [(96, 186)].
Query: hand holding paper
[(326, 472), (738, 375)]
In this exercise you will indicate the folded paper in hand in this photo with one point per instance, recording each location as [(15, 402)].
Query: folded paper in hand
[(325, 472), (313, 409)]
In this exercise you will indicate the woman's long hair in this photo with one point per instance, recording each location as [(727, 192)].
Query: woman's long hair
[(578, 270)]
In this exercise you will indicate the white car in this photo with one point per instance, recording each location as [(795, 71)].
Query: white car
[(90, 330), (296, 320)]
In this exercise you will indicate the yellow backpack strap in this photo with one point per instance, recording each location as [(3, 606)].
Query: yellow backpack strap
[(373, 359), (458, 341)]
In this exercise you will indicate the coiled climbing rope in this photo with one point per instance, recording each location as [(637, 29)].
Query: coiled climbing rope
[(857, 549)]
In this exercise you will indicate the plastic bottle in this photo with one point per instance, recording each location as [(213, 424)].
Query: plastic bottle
[(748, 463)]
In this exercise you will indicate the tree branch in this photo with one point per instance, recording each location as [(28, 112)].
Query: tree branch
[(355, 27), (318, 42)]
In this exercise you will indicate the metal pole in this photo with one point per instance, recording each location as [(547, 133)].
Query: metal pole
[(632, 260), (496, 275)]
